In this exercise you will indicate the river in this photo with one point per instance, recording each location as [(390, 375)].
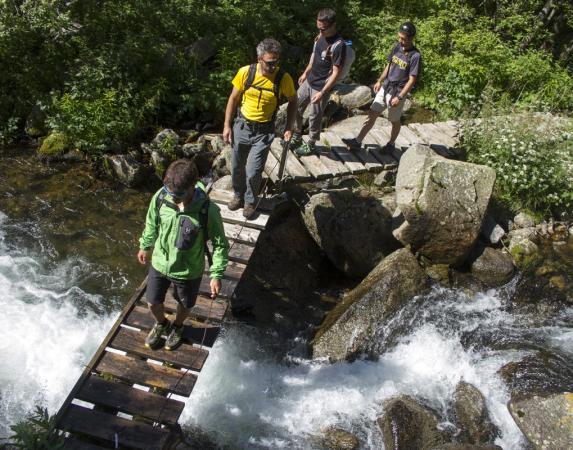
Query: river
[(67, 266)]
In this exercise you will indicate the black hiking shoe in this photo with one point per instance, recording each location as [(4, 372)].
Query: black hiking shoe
[(235, 204), (175, 338), (249, 211), (389, 147), (353, 143), (153, 339)]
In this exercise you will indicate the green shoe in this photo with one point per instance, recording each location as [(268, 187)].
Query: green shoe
[(295, 141), (175, 338), (153, 339), (305, 149)]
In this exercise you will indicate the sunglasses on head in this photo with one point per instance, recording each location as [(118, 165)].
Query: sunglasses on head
[(175, 194)]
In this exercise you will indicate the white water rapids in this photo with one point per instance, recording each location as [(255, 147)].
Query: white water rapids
[(247, 397)]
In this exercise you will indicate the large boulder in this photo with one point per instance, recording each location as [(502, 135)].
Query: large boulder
[(126, 169), (347, 330), (408, 425), (472, 415), (351, 96), (355, 232), (547, 422), (333, 438), (493, 267), (441, 204)]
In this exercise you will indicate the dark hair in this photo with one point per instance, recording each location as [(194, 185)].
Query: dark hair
[(327, 15), (408, 28), (268, 45), (181, 175)]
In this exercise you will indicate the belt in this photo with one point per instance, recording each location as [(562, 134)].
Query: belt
[(256, 126)]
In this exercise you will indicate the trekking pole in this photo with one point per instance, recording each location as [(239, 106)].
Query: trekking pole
[(282, 163)]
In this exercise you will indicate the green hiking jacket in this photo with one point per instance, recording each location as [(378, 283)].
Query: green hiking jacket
[(162, 234)]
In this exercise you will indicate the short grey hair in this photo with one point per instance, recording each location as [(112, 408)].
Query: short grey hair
[(268, 45)]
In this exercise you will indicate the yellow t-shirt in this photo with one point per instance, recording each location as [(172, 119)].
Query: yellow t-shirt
[(259, 105)]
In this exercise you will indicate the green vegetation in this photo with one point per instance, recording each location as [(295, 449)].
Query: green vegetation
[(533, 159), (55, 144), (37, 432)]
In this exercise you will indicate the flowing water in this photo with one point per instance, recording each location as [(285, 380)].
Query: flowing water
[(67, 244)]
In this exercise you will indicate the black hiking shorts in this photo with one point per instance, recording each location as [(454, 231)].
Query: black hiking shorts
[(184, 291)]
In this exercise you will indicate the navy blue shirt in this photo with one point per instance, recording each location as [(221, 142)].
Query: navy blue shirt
[(402, 65), (326, 55)]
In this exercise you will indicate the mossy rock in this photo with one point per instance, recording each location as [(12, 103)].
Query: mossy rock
[(526, 255), (56, 144)]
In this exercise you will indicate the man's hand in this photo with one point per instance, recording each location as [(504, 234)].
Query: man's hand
[(302, 78), (215, 288), (288, 135), (377, 87), (227, 135), (143, 256), (316, 97), (394, 101)]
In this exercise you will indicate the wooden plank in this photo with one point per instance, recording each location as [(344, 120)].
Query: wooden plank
[(204, 309), (127, 399), (236, 232), (73, 443), (132, 341), (369, 161), (194, 332), (272, 167), (351, 161), (292, 165), (384, 136), (374, 147), (139, 371), (129, 433), (240, 253), (258, 222), (227, 287), (224, 197), (314, 166), (234, 270), (412, 137), (136, 297), (330, 159)]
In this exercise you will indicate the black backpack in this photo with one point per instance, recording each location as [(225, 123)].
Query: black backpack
[(203, 218), (276, 85)]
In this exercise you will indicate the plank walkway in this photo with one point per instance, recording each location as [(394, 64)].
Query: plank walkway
[(129, 396), (333, 159)]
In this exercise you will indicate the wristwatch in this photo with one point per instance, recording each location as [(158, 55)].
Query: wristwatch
[(400, 97)]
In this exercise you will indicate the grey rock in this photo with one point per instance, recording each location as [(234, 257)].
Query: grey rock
[(160, 162), (222, 163), (456, 446), (223, 184), (351, 96), (216, 141), (348, 328), (472, 415), (126, 169), (336, 439), (523, 220), (491, 230), (166, 142), (354, 232), (408, 425), (190, 150), (547, 422), (385, 178), (439, 273), (493, 267), (441, 203), (529, 233)]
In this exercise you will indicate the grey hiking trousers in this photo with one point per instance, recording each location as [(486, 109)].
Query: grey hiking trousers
[(251, 144), (304, 95)]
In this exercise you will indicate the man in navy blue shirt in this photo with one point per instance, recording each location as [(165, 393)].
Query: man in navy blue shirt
[(396, 80), (318, 79)]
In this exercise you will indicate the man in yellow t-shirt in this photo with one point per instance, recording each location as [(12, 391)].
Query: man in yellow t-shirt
[(257, 89)]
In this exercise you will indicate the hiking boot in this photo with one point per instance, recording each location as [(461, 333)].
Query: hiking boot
[(389, 147), (249, 211), (235, 204), (295, 141), (154, 337), (305, 149), (353, 143), (175, 338)]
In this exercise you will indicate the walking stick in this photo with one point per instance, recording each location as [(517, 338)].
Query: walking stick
[(282, 163)]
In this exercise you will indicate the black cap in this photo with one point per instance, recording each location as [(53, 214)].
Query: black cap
[(408, 28)]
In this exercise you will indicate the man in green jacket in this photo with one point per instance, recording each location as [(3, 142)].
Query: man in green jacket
[(174, 227)]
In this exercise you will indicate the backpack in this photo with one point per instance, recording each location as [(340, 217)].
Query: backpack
[(348, 59), (203, 218), (276, 85)]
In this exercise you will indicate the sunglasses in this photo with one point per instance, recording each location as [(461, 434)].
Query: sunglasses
[(175, 194), (271, 63)]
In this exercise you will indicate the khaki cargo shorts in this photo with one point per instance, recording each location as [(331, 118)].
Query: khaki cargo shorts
[(381, 102)]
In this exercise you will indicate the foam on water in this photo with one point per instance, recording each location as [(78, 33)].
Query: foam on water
[(49, 329), (247, 401)]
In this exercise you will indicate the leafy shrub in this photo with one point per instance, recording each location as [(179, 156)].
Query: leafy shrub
[(532, 155), (37, 432)]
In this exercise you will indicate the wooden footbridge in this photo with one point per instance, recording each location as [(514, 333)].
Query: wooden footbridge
[(333, 159), (131, 397)]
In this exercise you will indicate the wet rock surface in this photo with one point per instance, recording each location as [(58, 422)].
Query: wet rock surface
[(472, 416), (407, 424), (126, 169), (336, 439), (493, 267), (347, 330)]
